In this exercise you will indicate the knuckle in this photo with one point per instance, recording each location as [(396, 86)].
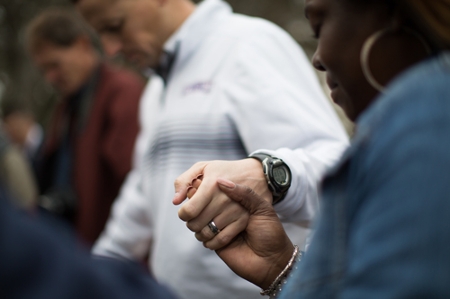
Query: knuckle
[(177, 182), (181, 214), (193, 226), (208, 245), (199, 165), (190, 210), (207, 236), (199, 237), (187, 212), (190, 227), (249, 192), (180, 183)]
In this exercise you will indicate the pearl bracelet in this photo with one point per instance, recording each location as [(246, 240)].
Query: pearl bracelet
[(275, 288)]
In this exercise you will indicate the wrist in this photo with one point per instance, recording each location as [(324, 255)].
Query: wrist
[(256, 168), (280, 273), (277, 174), (277, 265), (252, 175)]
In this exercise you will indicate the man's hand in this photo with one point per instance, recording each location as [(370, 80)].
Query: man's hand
[(262, 251), (209, 203)]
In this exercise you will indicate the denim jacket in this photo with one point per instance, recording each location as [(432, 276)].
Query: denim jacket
[(384, 227)]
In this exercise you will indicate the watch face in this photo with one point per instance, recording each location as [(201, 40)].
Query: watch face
[(280, 175)]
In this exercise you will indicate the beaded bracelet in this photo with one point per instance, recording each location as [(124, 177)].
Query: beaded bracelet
[(274, 289)]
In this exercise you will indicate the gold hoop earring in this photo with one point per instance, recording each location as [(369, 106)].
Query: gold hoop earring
[(367, 47)]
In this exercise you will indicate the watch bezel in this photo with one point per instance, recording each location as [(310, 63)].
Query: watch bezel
[(279, 190)]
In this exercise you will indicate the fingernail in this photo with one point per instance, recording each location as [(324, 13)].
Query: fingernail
[(226, 183)]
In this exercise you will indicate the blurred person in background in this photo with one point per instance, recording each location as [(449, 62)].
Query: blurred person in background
[(16, 167), (22, 129), (88, 146), (16, 175), (383, 230), (224, 85)]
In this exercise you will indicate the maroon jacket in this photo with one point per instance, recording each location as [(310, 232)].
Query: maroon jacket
[(102, 152)]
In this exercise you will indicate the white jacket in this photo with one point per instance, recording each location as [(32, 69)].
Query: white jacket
[(239, 84)]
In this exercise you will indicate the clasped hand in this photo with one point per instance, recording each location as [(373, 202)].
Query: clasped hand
[(209, 203), (252, 240)]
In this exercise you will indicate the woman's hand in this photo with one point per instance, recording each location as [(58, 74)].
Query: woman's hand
[(262, 251)]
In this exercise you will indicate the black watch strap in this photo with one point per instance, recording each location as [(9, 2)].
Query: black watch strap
[(270, 164)]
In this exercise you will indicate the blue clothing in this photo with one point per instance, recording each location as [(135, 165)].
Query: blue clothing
[(384, 229), (36, 263)]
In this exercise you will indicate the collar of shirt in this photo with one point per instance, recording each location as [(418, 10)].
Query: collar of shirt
[(191, 33)]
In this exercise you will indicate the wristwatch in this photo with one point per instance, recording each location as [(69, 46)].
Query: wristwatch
[(277, 173)]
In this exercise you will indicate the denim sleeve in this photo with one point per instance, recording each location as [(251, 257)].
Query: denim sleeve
[(399, 237)]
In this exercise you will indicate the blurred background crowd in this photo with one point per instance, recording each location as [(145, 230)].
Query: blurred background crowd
[(31, 91)]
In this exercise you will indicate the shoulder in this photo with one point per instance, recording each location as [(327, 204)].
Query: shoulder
[(248, 25), (118, 90), (257, 47), (120, 87), (246, 30)]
